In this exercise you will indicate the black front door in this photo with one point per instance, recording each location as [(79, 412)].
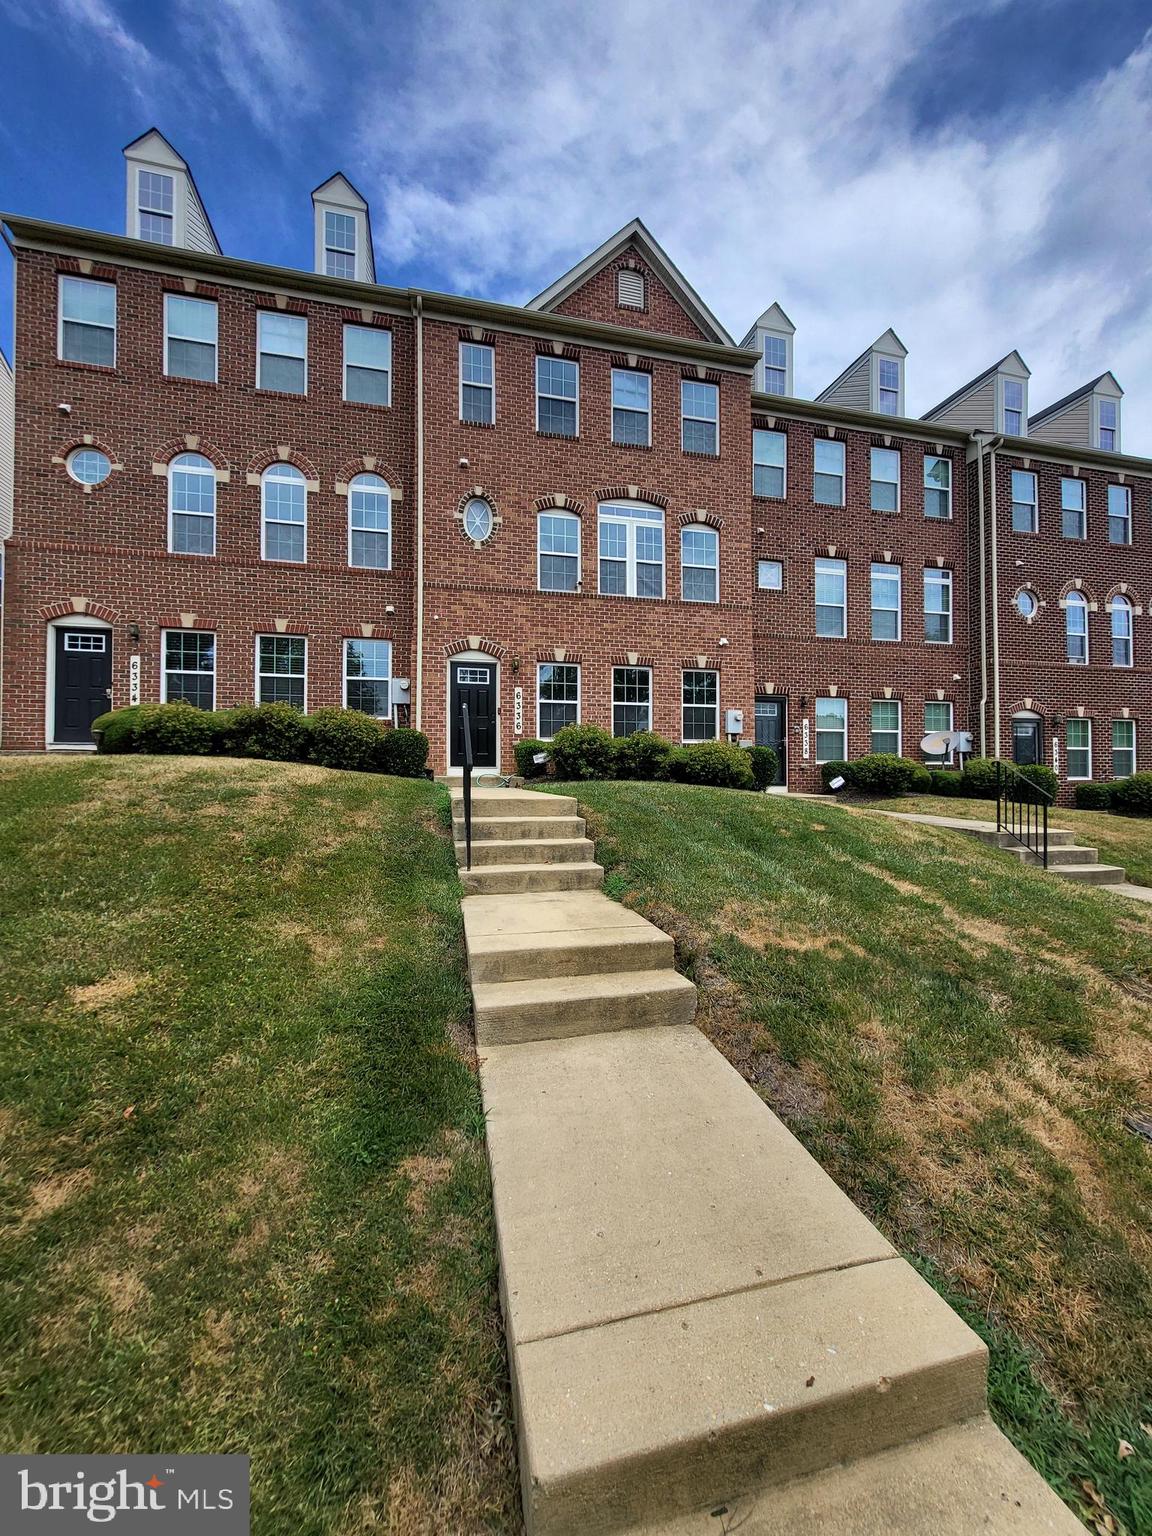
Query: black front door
[(474, 684), (1025, 742), (771, 720), (83, 682)]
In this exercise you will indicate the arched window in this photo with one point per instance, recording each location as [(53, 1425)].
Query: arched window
[(1076, 629), (191, 505), (631, 549), (1121, 632), (284, 497), (699, 564), (370, 523), (89, 466)]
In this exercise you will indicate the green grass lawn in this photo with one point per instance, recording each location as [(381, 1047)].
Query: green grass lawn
[(245, 1194), (957, 1038), (1123, 840)]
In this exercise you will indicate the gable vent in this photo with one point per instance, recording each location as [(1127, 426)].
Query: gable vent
[(630, 289)]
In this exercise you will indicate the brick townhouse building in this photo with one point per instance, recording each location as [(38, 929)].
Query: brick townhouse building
[(236, 482)]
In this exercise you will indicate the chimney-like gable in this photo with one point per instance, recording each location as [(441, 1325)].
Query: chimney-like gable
[(163, 205), (875, 381), (343, 231), (772, 336)]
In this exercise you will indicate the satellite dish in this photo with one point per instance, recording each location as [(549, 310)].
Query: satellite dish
[(936, 743)]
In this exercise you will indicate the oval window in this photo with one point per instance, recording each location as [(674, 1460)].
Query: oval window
[(477, 520), (89, 466), (1025, 604)]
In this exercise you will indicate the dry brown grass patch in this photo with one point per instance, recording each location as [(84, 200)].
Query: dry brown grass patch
[(103, 994), (324, 948), (424, 1173), (48, 1195), (761, 930)]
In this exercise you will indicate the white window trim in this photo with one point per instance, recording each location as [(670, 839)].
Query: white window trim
[(1034, 502), (490, 387), (1114, 485), (612, 695), (943, 577), (265, 635), (1002, 406), (261, 352), (1077, 778), (899, 724), (1082, 509), (816, 730), (886, 357), (155, 170), (706, 419), (1076, 601), (75, 277), (949, 756), (69, 621), (842, 605), (769, 560), (164, 633), (191, 554), (633, 410), (872, 479), (685, 740), (783, 468), (540, 395), (938, 458), (579, 693), (168, 337), (351, 484), (340, 250), (1112, 747), (1130, 608), (842, 475), (1117, 446), (604, 513), (264, 555), (899, 609), (354, 640), (374, 330), (692, 565), (560, 591)]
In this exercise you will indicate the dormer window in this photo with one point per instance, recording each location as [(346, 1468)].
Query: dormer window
[(888, 382), (775, 365), (1109, 425), (630, 288), (1013, 407), (154, 195), (339, 244)]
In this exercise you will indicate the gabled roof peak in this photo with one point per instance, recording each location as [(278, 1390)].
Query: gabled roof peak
[(154, 140), (337, 183), (1107, 379), (1011, 363)]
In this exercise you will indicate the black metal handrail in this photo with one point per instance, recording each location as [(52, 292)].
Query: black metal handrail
[(466, 734), (1022, 809)]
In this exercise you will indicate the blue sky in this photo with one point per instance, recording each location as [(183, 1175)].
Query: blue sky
[(973, 173)]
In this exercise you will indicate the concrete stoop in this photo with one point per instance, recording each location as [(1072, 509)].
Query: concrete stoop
[(1070, 860), (696, 1315)]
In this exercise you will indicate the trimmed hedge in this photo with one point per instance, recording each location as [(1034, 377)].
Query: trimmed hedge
[(1133, 796), (345, 738), (116, 730), (1093, 797), (946, 781), (765, 766), (718, 763), (979, 778), (403, 752), (643, 755), (834, 770), (525, 752), (1042, 777), (883, 773), (175, 729), (583, 752), (276, 732)]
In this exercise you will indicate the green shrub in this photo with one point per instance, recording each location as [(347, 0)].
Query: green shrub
[(1133, 796), (275, 731), (525, 752), (116, 730), (883, 773), (946, 781), (345, 738), (1093, 797), (583, 752), (830, 771), (765, 766), (718, 763), (979, 778), (643, 755), (403, 752), (1042, 778), (180, 729)]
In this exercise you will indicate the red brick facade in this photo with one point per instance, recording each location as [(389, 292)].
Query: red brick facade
[(104, 551)]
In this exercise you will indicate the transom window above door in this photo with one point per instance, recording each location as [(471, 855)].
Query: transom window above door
[(631, 535)]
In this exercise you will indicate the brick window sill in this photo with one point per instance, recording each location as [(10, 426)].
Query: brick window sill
[(488, 426), (71, 362), (695, 453), (561, 437)]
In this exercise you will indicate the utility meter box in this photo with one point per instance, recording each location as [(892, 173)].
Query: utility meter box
[(401, 691), (734, 722)]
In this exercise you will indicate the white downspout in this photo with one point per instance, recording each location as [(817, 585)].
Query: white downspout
[(992, 447), (978, 439), (419, 307)]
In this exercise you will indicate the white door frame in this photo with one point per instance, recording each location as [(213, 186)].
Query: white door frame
[(69, 621), (490, 661)]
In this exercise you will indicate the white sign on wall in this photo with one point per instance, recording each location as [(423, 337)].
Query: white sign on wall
[(134, 679), (1055, 755), (518, 712), (805, 740)]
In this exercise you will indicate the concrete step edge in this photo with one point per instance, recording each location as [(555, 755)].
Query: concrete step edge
[(560, 1007), (581, 952)]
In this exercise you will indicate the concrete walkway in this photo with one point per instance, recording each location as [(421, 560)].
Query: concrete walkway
[(697, 1317)]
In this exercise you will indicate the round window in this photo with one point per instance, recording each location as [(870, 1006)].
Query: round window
[(89, 466), (1026, 604), (477, 520)]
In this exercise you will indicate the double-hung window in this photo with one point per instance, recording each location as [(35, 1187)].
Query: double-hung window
[(700, 706), (699, 417), (370, 523), (769, 464), (885, 602), (831, 730), (885, 480), (1119, 514), (699, 564), (1123, 748), (477, 383), (1078, 747), (285, 513), (886, 726), (368, 365), (1013, 407), (558, 552), (190, 668), (832, 598), (1121, 632), (631, 550), (368, 677), (937, 606), (557, 697), (631, 408), (557, 396), (191, 505), (190, 338), (775, 365), (888, 379), (1024, 515), (282, 352), (1076, 629), (1109, 425), (828, 473), (281, 669), (1073, 511), (339, 244), (937, 487), (938, 718), (154, 206), (87, 322), (631, 700)]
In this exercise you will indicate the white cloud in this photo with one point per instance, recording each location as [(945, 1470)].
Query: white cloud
[(81, 21), (259, 52), (764, 147)]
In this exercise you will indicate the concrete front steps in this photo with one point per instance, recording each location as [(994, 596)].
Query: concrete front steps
[(696, 1315), (1065, 858), (523, 842)]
